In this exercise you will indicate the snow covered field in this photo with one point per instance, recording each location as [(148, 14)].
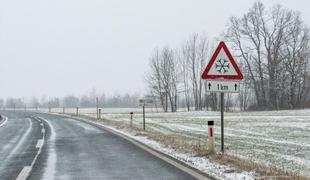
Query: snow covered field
[(274, 138)]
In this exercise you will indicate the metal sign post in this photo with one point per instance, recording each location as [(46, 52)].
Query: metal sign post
[(97, 107), (143, 117), (222, 121), (223, 75), (142, 103)]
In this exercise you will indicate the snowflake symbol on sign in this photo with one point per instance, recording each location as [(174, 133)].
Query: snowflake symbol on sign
[(222, 65)]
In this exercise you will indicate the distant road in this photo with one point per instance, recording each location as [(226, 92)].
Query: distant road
[(40, 146)]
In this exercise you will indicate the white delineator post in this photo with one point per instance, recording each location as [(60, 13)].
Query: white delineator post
[(211, 136)]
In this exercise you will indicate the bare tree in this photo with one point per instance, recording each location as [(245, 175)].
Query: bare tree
[(296, 57), (194, 54), (163, 79), (154, 80)]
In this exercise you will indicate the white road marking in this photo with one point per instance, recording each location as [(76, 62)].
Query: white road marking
[(49, 172), (40, 143), (5, 120), (16, 143), (24, 173), (27, 169), (21, 141)]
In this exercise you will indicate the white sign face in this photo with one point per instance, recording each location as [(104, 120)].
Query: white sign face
[(222, 65), (223, 86), (141, 102)]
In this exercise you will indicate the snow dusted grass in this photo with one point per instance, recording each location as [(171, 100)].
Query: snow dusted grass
[(273, 138), (203, 164)]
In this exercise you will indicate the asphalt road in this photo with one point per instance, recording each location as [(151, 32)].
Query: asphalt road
[(41, 146)]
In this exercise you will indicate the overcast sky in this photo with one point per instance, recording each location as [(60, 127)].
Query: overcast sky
[(61, 47)]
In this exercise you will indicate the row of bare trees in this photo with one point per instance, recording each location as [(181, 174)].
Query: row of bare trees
[(71, 101), (175, 76), (274, 45), (272, 49)]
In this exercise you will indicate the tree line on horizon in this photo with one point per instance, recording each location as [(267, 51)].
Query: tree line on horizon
[(71, 101), (272, 49)]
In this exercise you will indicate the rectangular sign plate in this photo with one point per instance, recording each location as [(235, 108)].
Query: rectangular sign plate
[(223, 86)]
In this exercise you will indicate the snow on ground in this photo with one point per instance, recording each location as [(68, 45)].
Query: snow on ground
[(202, 163), (274, 138)]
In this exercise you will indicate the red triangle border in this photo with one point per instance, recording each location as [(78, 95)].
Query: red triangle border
[(205, 74)]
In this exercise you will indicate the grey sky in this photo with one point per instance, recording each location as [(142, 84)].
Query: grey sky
[(61, 47)]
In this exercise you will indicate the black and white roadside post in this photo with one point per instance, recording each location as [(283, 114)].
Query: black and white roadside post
[(211, 136), (131, 118), (77, 111), (223, 75), (99, 113)]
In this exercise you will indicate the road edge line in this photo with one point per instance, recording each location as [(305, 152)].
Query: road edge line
[(3, 123), (24, 173)]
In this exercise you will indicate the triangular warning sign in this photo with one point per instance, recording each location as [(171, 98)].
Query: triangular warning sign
[(222, 65)]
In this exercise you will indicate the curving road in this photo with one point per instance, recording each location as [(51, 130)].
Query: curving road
[(40, 146)]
